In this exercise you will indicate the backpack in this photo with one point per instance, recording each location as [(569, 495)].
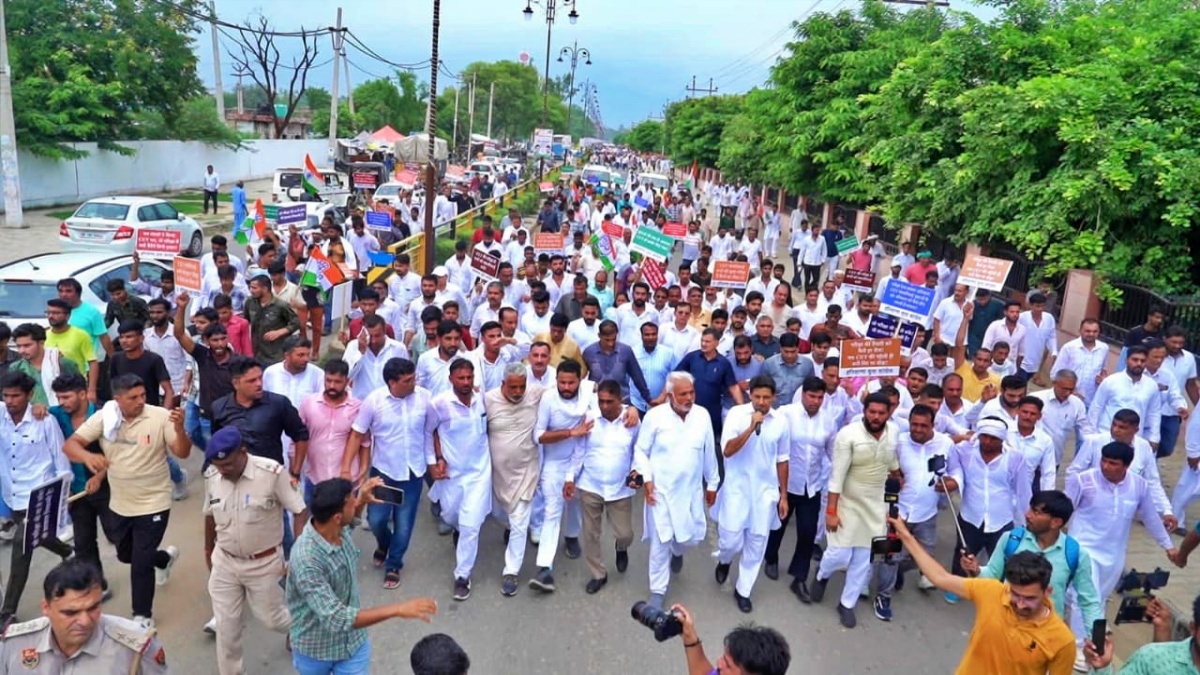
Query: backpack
[(1071, 550)]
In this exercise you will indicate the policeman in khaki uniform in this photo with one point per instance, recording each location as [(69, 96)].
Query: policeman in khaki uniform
[(74, 638), (244, 498)]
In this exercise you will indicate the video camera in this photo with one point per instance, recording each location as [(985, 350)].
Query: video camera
[(1137, 586), (665, 624), (889, 545)]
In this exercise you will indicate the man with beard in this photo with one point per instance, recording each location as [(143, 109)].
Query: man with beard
[(133, 359), (460, 462), (864, 456), (367, 354), (72, 343), (213, 360), (416, 306), (433, 368), (1130, 389), (329, 415), (295, 377), (631, 317), (271, 320), (675, 457), (1086, 356), (160, 339)]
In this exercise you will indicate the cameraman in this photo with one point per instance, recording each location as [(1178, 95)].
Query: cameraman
[(749, 650), (1163, 656)]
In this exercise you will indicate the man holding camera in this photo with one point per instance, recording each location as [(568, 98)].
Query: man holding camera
[(1163, 656), (749, 650)]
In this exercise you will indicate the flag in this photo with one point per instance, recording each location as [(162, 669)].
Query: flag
[(604, 246), (312, 179), (847, 244), (693, 174), (254, 227), (320, 272)]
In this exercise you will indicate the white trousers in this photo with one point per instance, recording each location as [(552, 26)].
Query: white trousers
[(751, 546), (1185, 491), (1106, 578), (660, 562), (518, 532), (468, 548), (552, 479), (857, 563)]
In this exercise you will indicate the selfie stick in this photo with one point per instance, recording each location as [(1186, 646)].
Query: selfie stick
[(962, 541)]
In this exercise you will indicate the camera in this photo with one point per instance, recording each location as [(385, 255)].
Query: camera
[(937, 465), (665, 624), (1137, 586), (634, 480)]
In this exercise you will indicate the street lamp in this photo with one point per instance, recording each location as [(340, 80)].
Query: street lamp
[(573, 16), (574, 51)]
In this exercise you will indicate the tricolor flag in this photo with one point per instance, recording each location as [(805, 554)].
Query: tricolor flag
[(320, 272), (847, 244), (254, 227), (604, 246), (693, 175), (312, 180)]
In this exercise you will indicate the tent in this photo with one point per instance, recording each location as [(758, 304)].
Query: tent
[(387, 135), (415, 149)]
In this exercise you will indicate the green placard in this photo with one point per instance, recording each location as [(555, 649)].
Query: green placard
[(847, 244), (651, 243), (271, 211)]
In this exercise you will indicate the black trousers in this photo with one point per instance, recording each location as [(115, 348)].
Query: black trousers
[(976, 540), (807, 511), (812, 275), (210, 195), (21, 559), (86, 513), (137, 539)]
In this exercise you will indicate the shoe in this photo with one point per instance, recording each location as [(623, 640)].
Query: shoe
[(817, 593), (883, 608), (743, 603), (722, 572), (8, 530), (595, 585), (144, 622), (535, 538), (391, 579), (622, 561), (507, 534), (656, 600), (543, 581), (211, 627), (508, 587), (572, 547), (899, 581), (800, 590), (179, 491), (162, 575), (106, 595), (772, 571), (444, 528), (1081, 664), (462, 589), (925, 584), (846, 616), (818, 553), (951, 599), (676, 564)]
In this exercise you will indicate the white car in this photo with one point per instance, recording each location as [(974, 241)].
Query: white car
[(392, 189), (26, 284), (111, 224)]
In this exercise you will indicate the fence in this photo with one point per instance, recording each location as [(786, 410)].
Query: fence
[(890, 238), (1136, 304), (1023, 275)]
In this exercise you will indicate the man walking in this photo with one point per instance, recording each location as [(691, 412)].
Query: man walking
[(210, 184), (271, 320)]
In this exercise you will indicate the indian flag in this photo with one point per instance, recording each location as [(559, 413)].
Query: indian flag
[(312, 179), (254, 227), (604, 245), (847, 244), (320, 272), (693, 175)]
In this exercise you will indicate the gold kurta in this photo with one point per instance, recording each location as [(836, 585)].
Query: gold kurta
[(860, 467)]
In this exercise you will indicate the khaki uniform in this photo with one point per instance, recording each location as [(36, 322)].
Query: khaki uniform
[(247, 562), (117, 646)]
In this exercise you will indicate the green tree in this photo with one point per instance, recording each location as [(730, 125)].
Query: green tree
[(348, 125), (645, 136), (197, 121), (377, 103), (693, 127)]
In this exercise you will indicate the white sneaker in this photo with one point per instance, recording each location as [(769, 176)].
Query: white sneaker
[(144, 621), (161, 576), (211, 627), (8, 530), (179, 491), (925, 584), (1081, 664)]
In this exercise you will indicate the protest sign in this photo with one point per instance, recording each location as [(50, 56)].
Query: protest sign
[(293, 213), (984, 272), (612, 229), (847, 244), (869, 358), (675, 230), (641, 202), (341, 296), (47, 511), (882, 326), (548, 242), (651, 243), (730, 274), (859, 280), (907, 301), (653, 274), (379, 220), (364, 179), (908, 335), (187, 274), (270, 213), (484, 265), (546, 186), (154, 243)]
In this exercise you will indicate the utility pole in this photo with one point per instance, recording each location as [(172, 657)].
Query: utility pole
[(349, 87), (431, 129), (240, 105), (333, 103), (470, 115), (491, 99), (454, 133), (220, 90), (14, 216), (693, 90)]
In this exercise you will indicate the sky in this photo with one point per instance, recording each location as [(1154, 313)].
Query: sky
[(644, 53)]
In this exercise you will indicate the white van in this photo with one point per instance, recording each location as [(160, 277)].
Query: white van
[(288, 184)]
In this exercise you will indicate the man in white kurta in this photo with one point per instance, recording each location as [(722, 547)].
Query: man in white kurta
[(676, 457), (753, 495), (1035, 445), (864, 454), (1131, 388), (461, 464), (1064, 412), (1124, 430)]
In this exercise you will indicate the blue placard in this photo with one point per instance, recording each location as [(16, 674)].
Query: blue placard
[(379, 220), (908, 301), (908, 335), (641, 202), (296, 213), (592, 178), (882, 326)]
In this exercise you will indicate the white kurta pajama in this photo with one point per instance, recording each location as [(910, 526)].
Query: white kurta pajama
[(747, 507), (678, 455), (516, 466), (557, 414), (466, 492)]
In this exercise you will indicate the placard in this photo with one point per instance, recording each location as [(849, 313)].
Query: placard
[(484, 265), (187, 274), (907, 301), (549, 242), (984, 272), (653, 273), (730, 274), (882, 326), (908, 336), (546, 186), (859, 280), (641, 202), (543, 142), (675, 230), (341, 298), (866, 357), (612, 229), (292, 213), (652, 244), (364, 179), (846, 244), (154, 243), (46, 512), (271, 213), (379, 220)]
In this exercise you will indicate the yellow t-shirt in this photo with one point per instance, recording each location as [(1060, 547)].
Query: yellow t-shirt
[(75, 345), (972, 385), (137, 461), (1003, 644)]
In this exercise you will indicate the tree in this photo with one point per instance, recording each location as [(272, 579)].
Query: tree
[(645, 136), (348, 124), (693, 127), (197, 121), (86, 70), (258, 56)]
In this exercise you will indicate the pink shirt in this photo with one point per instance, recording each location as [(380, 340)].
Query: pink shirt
[(328, 429), (239, 335), (861, 260)]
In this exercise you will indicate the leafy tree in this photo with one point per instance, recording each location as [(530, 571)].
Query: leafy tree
[(198, 121), (694, 126), (315, 97), (348, 124), (645, 136)]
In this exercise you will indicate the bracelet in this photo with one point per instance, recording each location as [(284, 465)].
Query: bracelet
[(689, 645)]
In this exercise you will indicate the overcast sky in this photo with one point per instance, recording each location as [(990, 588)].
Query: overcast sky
[(644, 52)]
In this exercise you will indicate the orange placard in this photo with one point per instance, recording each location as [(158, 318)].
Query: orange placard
[(154, 243), (187, 274), (984, 272), (549, 242), (730, 274), (869, 357)]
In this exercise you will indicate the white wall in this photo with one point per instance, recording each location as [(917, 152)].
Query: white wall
[(156, 166)]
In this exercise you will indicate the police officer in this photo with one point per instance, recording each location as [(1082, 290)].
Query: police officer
[(244, 496), (73, 637)]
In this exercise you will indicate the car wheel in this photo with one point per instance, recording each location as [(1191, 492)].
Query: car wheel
[(196, 246)]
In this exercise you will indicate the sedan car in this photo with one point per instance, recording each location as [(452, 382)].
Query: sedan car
[(26, 284), (111, 224)]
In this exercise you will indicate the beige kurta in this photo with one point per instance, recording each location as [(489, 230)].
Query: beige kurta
[(516, 460), (860, 467)]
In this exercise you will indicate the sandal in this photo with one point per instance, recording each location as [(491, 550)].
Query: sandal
[(379, 556), (391, 580)]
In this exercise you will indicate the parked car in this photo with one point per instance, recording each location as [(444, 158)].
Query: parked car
[(287, 185), (26, 284), (111, 224)]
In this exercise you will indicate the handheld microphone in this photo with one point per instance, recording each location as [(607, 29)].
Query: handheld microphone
[(891, 496), (758, 429)]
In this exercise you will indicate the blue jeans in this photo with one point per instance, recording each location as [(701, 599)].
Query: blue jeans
[(173, 467), (393, 525), (289, 537), (359, 663), (198, 428), (1168, 432)]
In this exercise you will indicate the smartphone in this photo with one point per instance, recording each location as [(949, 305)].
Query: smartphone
[(1099, 634), (389, 495)]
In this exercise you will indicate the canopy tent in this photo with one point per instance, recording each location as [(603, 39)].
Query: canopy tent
[(386, 135)]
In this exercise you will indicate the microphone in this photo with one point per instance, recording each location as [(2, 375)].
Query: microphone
[(758, 429), (891, 495)]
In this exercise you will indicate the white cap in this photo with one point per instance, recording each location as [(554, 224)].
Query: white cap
[(992, 427), (441, 271)]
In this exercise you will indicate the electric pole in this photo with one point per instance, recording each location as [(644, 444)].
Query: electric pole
[(240, 105), (333, 103), (470, 115), (349, 87), (428, 245), (454, 132), (14, 216), (694, 90), (220, 90), (491, 98)]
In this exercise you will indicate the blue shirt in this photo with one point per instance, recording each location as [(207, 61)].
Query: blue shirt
[(619, 365), (238, 194), (787, 378), (655, 367), (713, 378), (742, 373), (79, 471), (832, 237)]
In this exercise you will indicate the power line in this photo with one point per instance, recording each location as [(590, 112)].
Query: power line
[(210, 18), (354, 41), (736, 74), (277, 65)]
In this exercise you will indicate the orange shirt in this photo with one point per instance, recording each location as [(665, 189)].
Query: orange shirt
[(1003, 644)]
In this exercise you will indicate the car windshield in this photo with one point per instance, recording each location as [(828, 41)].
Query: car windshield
[(387, 192), (596, 176), (25, 299), (102, 211), (289, 180)]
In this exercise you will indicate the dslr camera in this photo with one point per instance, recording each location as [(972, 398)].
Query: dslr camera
[(1136, 587), (665, 624)]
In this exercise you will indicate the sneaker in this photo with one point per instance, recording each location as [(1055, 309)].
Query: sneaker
[(462, 589), (444, 528), (211, 627), (846, 616), (1081, 664), (162, 575), (144, 622), (543, 581), (883, 608), (925, 584), (676, 564), (817, 592), (951, 599), (8, 530), (535, 538), (573, 549), (179, 491), (508, 586)]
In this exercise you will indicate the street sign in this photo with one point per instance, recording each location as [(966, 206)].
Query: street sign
[(866, 357), (984, 272), (652, 244), (730, 274), (907, 301), (154, 243)]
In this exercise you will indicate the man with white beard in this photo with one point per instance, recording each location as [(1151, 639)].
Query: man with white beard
[(675, 456)]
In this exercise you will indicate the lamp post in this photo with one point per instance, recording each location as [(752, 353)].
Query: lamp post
[(574, 51), (551, 8)]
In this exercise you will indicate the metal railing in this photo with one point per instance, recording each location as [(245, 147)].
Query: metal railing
[(1136, 301), (1023, 275)]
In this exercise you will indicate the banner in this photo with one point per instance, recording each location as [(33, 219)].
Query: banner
[(47, 511), (364, 179), (187, 274), (379, 220), (543, 142), (859, 280), (847, 244), (153, 243), (654, 274), (546, 186), (908, 335), (484, 265), (908, 301), (730, 274), (869, 358), (652, 244), (292, 213), (984, 272), (882, 326), (612, 229)]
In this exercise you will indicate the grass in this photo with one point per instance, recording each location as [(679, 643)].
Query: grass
[(189, 203)]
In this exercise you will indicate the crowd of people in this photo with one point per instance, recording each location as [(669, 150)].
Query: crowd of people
[(547, 398)]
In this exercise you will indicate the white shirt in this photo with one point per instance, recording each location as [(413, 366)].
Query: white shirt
[(397, 428), (950, 317), (679, 341), (1144, 464), (532, 324), (1183, 367), (677, 454), (459, 272), (1170, 393), (749, 495), (995, 494), (752, 251), (1038, 451), (1061, 417), (722, 246), (171, 352), (295, 387), (363, 247), (1119, 391), (629, 322), (918, 500), (444, 210), (756, 284), (810, 447), (603, 458), (412, 316), (1084, 362), (489, 375), (545, 381), (1039, 338), (433, 373), (366, 368), (402, 291), (1104, 513), (583, 334), (558, 414), (998, 330), (212, 181), (30, 454), (812, 250), (462, 431), (483, 314)]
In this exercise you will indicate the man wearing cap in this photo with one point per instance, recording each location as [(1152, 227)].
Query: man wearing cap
[(244, 499)]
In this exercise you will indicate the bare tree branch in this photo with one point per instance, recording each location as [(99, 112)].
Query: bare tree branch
[(258, 56)]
